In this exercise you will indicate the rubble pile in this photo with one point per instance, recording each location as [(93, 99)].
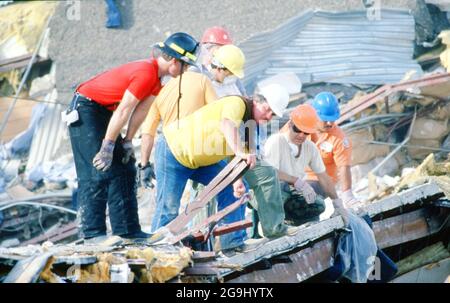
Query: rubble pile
[(400, 141), (119, 263)]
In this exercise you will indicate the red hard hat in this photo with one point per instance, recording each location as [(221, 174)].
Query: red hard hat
[(216, 35)]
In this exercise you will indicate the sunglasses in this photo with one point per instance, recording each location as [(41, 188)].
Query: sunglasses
[(298, 131)]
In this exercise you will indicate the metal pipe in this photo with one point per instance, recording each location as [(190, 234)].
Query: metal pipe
[(406, 145), (40, 197), (68, 210), (364, 119), (24, 78), (397, 148)]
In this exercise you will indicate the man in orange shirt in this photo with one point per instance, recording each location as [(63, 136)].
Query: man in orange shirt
[(334, 146)]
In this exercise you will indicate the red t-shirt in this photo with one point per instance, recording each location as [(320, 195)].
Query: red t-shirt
[(108, 88)]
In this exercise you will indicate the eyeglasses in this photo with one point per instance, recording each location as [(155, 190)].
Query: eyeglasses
[(298, 131)]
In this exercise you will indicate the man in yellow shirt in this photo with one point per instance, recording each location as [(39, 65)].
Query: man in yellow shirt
[(193, 147)]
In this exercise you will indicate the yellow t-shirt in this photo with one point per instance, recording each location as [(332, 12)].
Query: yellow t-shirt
[(197, 91), (197, 139)]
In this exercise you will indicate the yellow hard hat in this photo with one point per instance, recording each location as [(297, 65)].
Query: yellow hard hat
[(232, 58)]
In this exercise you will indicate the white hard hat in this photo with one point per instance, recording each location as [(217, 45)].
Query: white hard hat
[(277, 97)]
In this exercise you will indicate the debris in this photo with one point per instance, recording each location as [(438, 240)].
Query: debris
[(428, 170), (28, 270), (427, 255)]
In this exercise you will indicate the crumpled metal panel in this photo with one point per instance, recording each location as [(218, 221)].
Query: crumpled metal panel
[(339, 47)]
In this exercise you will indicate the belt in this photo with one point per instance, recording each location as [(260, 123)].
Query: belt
[(110, 107)]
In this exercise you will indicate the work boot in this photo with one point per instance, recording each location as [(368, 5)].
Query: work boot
[(137, 235), (95, 240)]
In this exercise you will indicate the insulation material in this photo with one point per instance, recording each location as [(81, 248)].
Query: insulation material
[(47, 275), (445, 56), (429, 170), (22, 24), (418, 153), (441, 112), (430, 129), (161, 266)]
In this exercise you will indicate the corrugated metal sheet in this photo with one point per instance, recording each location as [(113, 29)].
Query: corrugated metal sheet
[(343, 47), (49, 135)]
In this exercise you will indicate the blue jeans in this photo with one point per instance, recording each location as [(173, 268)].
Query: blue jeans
[(171, 178), (96, 189)]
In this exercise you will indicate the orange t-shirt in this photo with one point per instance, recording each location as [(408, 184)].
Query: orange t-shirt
[(335, 149)]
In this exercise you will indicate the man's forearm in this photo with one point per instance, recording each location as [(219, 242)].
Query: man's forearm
[(231, 134), (286, 177), (146, 148), (120, 116), (345, 176), (138, 117), (327, 185)]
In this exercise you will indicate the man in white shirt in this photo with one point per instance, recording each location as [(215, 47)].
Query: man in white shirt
[(290, 153)]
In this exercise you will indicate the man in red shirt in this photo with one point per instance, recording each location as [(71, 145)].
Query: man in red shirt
[(104, 161)]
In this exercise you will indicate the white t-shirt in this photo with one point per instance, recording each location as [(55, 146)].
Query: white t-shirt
[(280, 155)]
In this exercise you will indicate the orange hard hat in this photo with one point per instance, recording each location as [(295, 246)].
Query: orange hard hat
[(305, 118), (216, 35)]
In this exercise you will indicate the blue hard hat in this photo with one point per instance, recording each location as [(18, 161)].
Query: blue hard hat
[(326, 106), (180, 46)]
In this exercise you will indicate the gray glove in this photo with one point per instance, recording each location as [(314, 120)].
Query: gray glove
[(145, 176), (306, 189), (128, 151), (103, 159)]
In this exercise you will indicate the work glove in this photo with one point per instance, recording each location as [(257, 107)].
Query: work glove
[(128, 151), (308, 192), (348, 199), (146, 174), (103, 159), (341, 210)]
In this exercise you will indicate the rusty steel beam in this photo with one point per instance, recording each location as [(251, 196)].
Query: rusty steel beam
[(229, 174), (378, 95), (59, 234), (211, 220), (305, 263), (221, 230), (225, 229), (313, 260), (405, 228)]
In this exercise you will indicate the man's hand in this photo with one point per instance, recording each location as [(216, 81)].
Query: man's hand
[(249, 158), (128, 151), (103, 159), (349, 199), (306, 189), (238, 188), (340, 209), (145, 175)]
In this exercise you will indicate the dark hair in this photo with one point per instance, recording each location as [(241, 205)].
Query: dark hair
[(258, 98)]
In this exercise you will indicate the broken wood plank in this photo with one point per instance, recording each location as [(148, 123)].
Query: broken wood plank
[(28, 270)]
